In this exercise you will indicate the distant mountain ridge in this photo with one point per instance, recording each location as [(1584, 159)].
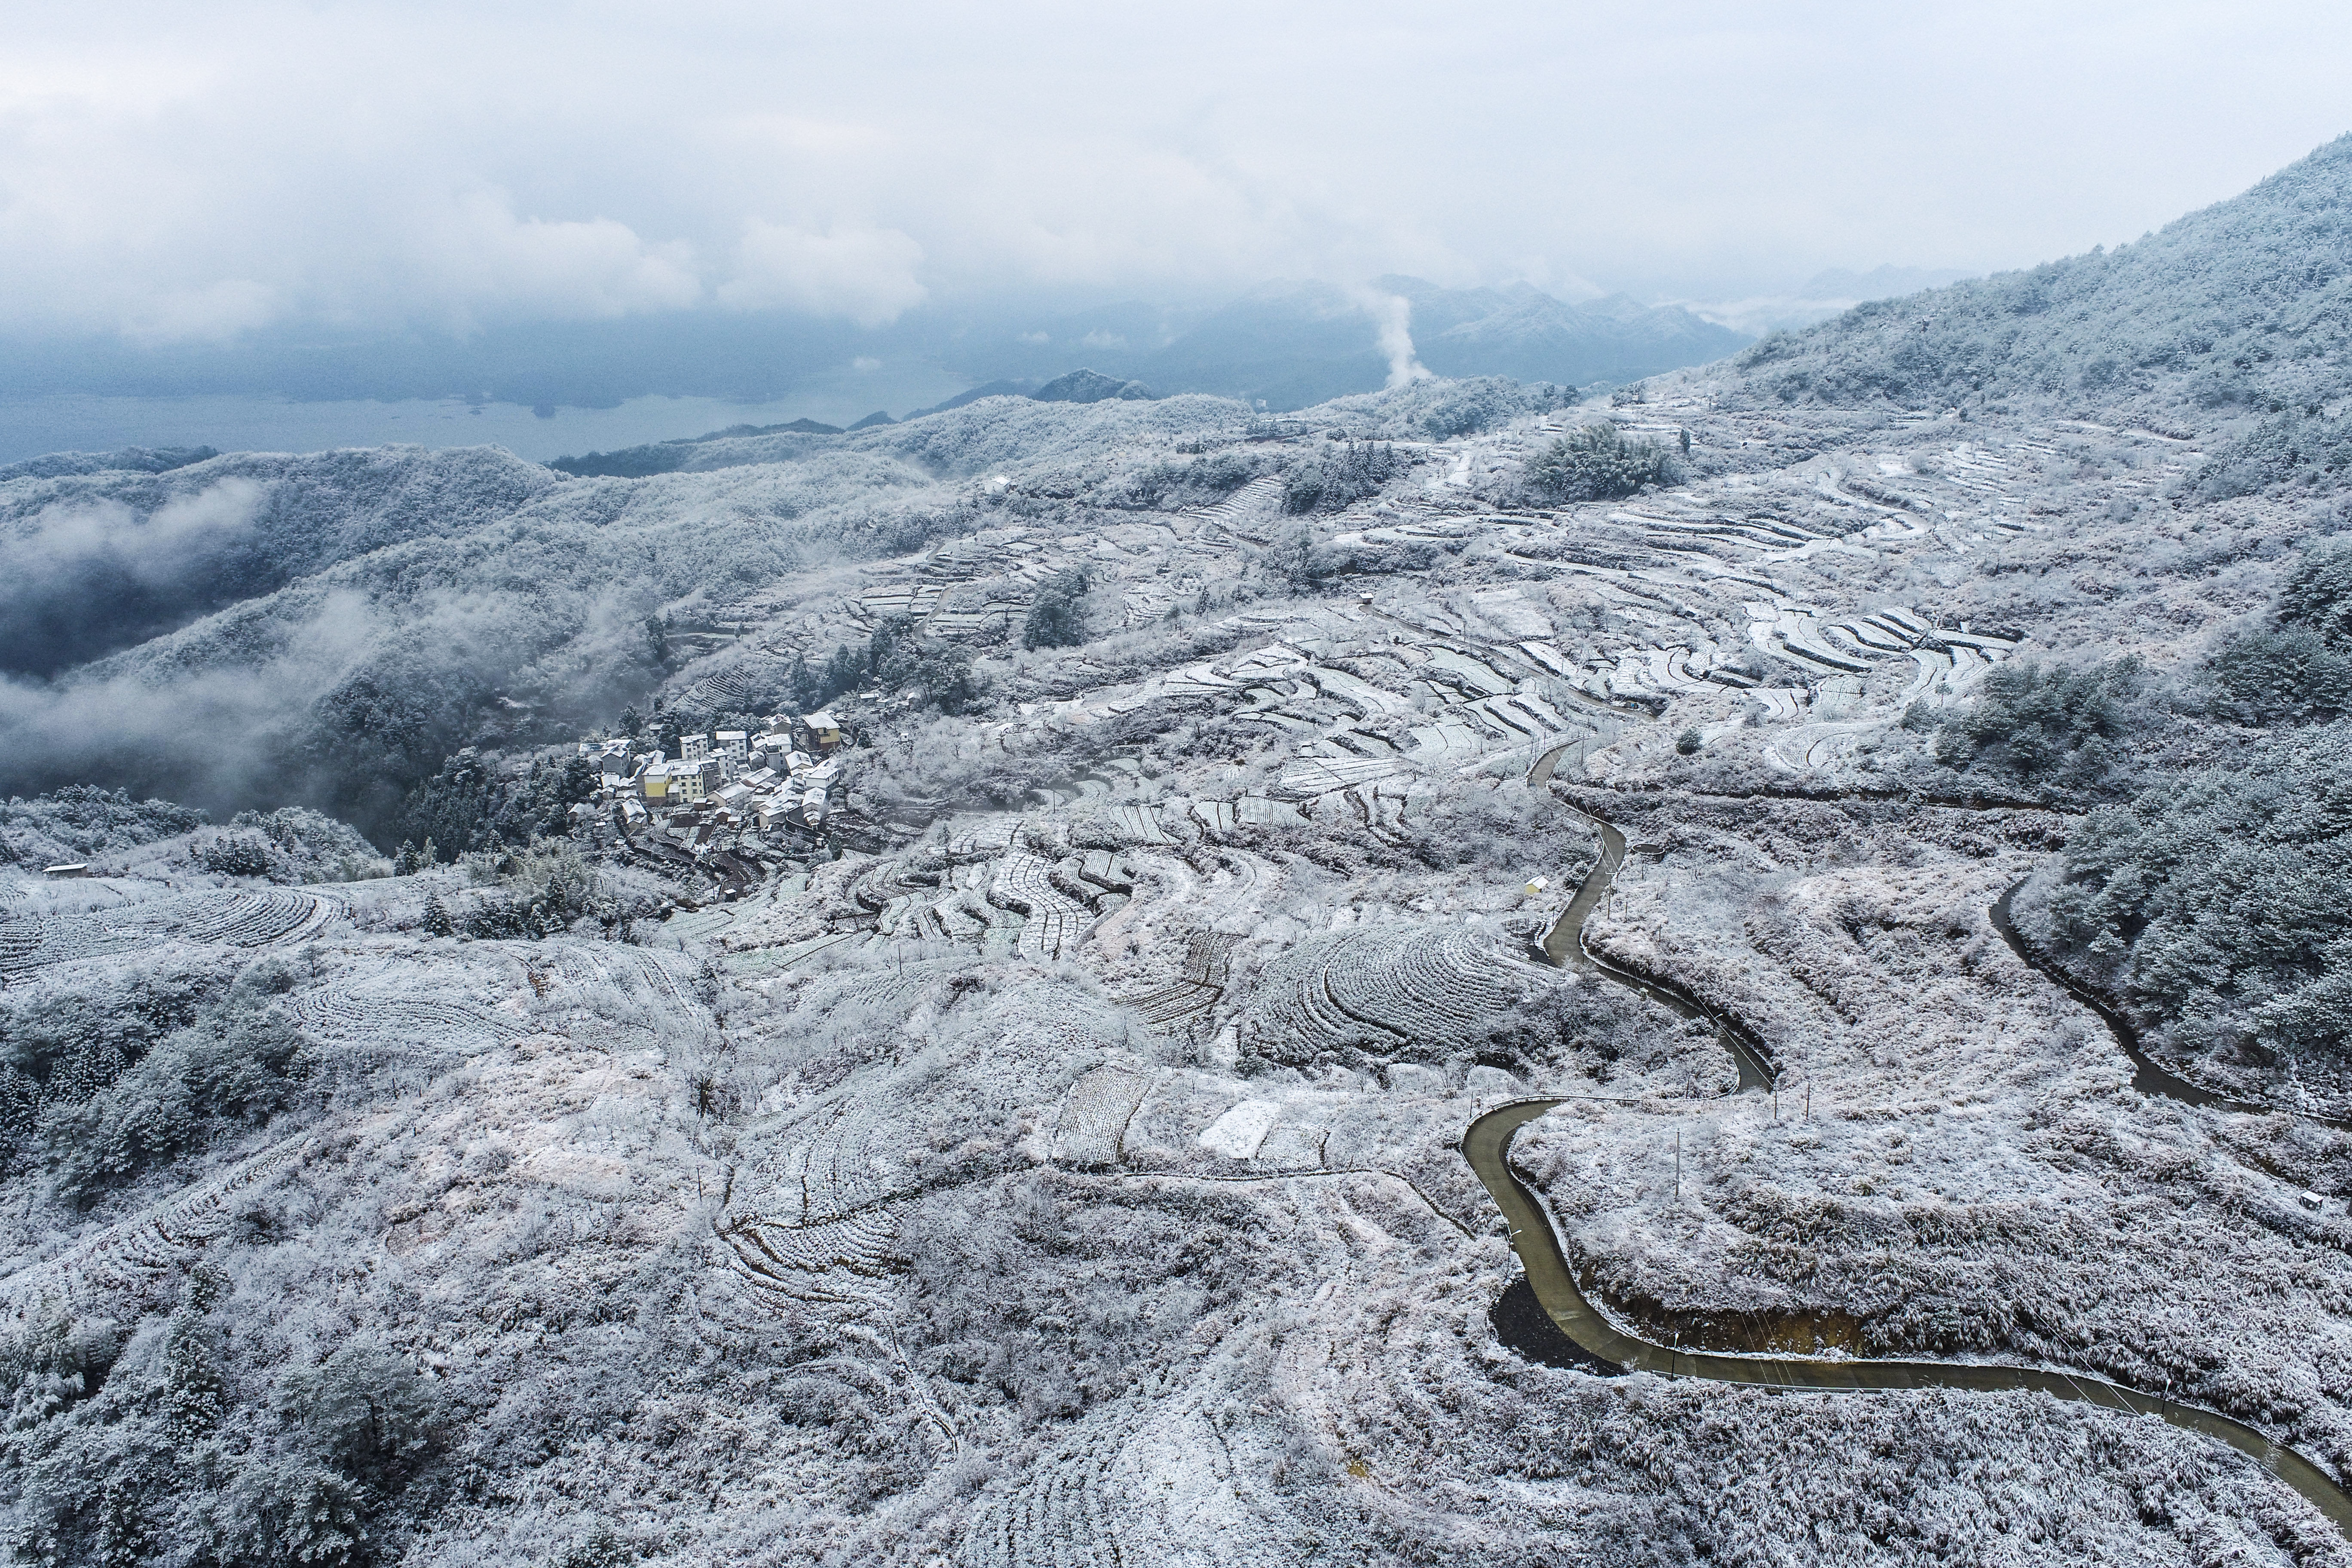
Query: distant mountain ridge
[(1289, 346), (1522, 332), (1292, 344), (1080, 386)]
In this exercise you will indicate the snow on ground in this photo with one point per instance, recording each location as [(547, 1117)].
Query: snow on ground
[(1066, 1173)]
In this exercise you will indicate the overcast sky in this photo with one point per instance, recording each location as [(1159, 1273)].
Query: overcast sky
[(185, 172)]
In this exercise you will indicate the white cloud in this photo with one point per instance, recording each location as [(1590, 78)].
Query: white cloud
[(865, 274), (189, 173), (595, 268), (211, 311)]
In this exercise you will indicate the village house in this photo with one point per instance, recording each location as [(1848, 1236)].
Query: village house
[(724, 784)]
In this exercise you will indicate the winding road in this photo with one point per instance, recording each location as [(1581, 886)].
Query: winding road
[(1564, 946), (1486, 1146)]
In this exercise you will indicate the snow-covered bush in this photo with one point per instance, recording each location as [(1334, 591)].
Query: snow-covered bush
[(2305, 450), (236, 1065), (2297, 667), (2045, 723), (2217, 902), (81, 820), (542, 887), (469, 804), (1596, 462), (234, 855), (1055, 617), (1333, 481)]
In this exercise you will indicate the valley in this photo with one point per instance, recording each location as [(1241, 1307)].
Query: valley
[(1729, 970)]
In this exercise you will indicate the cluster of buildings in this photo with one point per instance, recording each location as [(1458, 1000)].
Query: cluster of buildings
[(721, 784)]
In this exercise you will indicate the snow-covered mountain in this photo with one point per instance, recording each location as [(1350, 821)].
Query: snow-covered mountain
[(2239, 307), (959, 996)]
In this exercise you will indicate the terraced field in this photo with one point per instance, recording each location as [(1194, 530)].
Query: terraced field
[(1207, 969), (270, 918), (150, 1250), (1380, 989), (1094, 1113), (396, 1019)]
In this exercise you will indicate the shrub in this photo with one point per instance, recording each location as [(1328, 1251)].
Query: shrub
[(2297, 667), (1168, 486), (2035, 723), (2318, 593), (463, 807), (2226, 892), (936, 674), (82, 820), (239, 855), (1056, 619), (1481, 402), (2287, 449), (364, 1412), (1303, 562), (1330, 483), (237, 1065), (1597, 463), (542, 890), (2285, 674), (811, 687)]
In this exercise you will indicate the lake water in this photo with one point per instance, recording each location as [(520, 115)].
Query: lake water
[(31, 426)]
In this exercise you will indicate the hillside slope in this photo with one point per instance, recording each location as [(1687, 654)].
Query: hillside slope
[(2245, 305), (106, 557), (1053, 1154), (1039, 1127)]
